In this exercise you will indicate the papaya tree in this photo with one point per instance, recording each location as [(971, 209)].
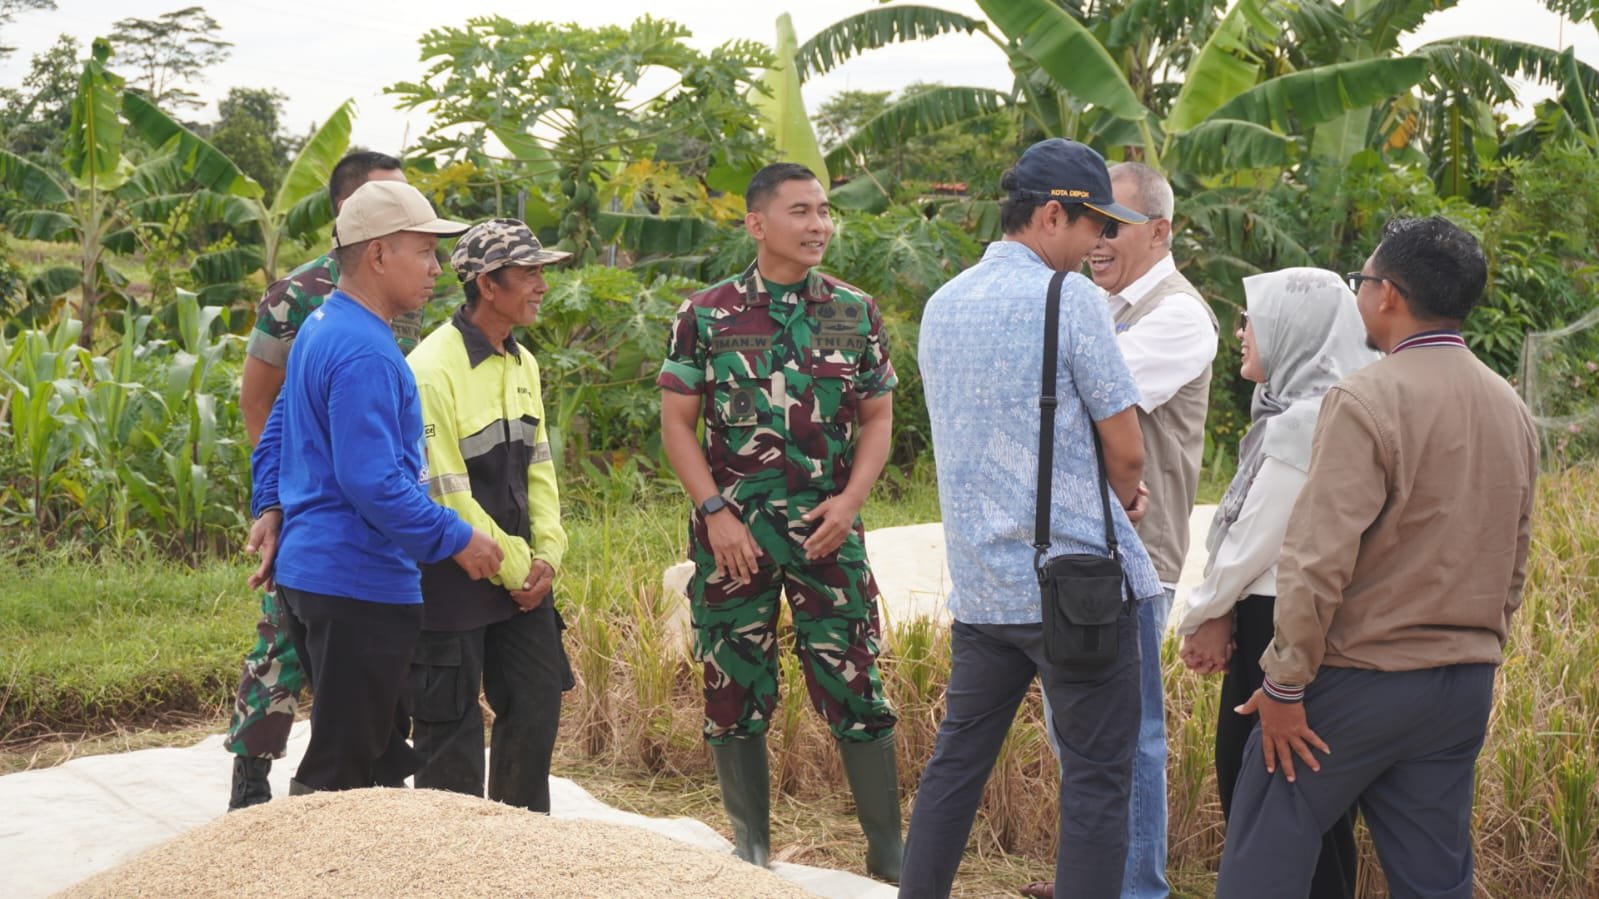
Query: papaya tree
[(562, 103), (94, 208)]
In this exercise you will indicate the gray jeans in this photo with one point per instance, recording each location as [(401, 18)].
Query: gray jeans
[(1095, 723), (1405, 744)]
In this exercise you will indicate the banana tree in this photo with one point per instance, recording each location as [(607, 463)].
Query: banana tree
[(1205, 93), (93, 207), (1455, 126), (298, 210)]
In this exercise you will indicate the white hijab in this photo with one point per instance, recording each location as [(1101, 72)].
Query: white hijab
[(1309, 336)]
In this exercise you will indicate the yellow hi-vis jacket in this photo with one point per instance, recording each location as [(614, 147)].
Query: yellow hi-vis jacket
[(488, 458)]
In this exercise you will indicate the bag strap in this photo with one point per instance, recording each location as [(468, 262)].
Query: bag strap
[(1047, 401)]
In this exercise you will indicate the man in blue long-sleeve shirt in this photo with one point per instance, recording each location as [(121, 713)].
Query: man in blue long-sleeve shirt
[(341, 466)]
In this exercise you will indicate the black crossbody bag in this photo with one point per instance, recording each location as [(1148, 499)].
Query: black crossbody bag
[(1082, 593)]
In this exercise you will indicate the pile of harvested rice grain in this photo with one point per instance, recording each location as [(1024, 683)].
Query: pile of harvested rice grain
[(386, 842)]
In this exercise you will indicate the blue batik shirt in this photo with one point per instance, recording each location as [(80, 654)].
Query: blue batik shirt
[(981, 355)]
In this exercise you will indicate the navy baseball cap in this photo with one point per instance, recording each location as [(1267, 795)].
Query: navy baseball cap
[(1070, 172)]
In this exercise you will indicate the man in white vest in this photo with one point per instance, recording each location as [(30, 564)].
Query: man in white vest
[(1167, 335)]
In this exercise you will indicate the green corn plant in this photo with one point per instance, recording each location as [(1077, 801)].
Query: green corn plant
[(195, 412), (38, 371), (116, 422)]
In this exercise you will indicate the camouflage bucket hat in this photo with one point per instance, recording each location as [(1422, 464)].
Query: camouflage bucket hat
[(498, 243)]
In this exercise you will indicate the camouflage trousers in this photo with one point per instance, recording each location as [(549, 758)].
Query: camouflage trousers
[(269, 688), (833, 603)]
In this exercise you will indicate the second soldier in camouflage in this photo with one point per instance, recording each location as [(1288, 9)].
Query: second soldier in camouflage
[(789, 371)]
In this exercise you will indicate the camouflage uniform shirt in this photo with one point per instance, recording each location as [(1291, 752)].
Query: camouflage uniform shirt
[(290, 301), (782, 380)]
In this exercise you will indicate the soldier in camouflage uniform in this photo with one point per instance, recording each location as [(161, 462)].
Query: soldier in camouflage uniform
[(271, 682), (789, 370)]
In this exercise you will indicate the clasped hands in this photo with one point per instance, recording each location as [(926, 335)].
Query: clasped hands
[(737, 555), (480, 558)]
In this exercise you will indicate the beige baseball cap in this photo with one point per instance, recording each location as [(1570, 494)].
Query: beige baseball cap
[(380, 208)]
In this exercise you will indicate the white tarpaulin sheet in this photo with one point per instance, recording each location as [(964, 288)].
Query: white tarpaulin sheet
[(60, 825)]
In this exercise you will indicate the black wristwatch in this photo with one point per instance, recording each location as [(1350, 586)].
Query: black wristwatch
[(712, 505)]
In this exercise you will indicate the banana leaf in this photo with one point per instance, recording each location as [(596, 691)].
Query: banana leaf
[(921, 113), (876, 28), (1302, 100), (1225, 67), (30, 182), (309, 172), (1065, 49), (43, 224), (93, 152), (207, 165), (783, 107)]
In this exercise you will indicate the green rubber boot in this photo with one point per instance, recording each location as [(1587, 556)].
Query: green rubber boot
[(742, 771), (250, 785), (874, 780)]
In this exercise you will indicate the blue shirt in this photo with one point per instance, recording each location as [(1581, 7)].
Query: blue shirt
[(981, 354), (343, 454)]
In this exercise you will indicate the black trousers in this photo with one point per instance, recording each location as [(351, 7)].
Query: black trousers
[(355, 655), (523, 670), (1253, 628)]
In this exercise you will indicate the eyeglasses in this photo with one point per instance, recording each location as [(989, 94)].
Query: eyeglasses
[(1110, 229), (1355, 279), (1243, 320)]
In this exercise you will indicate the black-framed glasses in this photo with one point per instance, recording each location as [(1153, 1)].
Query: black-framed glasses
[(1243, 321), (1110, 229), (1355, 279)]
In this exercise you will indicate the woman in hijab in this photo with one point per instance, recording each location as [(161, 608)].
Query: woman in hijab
[(1301, 335)]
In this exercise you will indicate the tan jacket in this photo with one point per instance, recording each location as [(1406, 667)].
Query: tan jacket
[(1407, 547)]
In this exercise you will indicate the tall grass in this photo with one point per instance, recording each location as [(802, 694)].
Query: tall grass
[(1537, 809)]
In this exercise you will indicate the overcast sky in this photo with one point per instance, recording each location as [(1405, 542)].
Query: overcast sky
[(320, 52)]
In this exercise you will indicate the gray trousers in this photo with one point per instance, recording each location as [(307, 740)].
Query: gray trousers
[(1096, 724), (1404, 745)]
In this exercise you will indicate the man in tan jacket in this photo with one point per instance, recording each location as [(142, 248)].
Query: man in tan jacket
[(1404, 560)]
